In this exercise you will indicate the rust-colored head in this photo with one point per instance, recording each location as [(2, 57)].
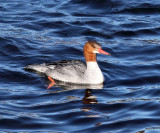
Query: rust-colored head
[(90, 49)]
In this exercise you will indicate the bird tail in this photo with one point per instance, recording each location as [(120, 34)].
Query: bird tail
[(40, 68)]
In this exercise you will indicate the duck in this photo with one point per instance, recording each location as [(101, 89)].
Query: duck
[(74, 71)]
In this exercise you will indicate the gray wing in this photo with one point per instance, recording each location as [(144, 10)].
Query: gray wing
[(68, 67), (60, 69), (67, 71)]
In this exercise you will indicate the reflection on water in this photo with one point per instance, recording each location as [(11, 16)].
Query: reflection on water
[(70, 86), (89, 98)]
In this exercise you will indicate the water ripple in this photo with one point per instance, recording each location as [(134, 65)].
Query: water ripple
[(46, 31)]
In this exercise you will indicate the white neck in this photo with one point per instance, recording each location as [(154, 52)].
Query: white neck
[(92, 65)]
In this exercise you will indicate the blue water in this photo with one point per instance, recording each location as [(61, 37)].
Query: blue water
[(43, 31)]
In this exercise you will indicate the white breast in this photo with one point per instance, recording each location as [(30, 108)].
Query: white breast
[(93, 74)]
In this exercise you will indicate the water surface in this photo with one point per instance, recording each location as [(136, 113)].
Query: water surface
[(44, 31)]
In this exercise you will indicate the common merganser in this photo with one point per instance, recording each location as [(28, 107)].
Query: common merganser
[(74, 71)]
